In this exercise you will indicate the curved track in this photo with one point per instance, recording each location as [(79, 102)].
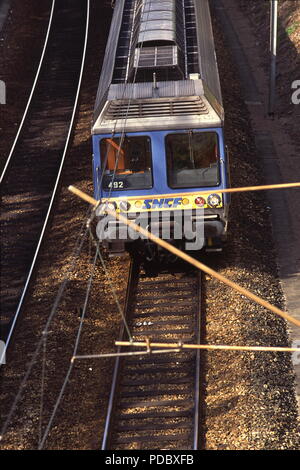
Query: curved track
[(31, 178), (8, 160), (155, 401)]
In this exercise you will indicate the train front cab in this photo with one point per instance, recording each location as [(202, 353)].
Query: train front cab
[(165, 170)]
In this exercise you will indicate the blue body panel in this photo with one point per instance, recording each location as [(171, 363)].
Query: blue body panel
[(159, 169)]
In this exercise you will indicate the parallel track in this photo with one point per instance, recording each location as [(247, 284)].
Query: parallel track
[(155, 401), (32, 176)]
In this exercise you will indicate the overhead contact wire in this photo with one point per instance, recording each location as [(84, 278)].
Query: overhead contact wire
[(77, 341)]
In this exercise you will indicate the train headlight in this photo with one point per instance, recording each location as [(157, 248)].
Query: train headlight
[(138, 204), (106, 206), (200, 201), (214, 200), (124, 206)]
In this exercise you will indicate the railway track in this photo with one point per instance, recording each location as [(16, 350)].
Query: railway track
[(155, 401), (31, 177)]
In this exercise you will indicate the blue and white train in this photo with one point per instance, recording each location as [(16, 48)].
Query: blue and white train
[(158, 139)]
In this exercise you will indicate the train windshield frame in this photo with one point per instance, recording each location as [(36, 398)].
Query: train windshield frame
[(193, 159), (126, 163)]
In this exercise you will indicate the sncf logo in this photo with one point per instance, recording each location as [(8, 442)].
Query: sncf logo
[(165, 203)]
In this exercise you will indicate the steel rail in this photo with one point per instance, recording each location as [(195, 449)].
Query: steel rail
[(105, 440), (198, 366), (195, 425), (54, 192), (31, 94)]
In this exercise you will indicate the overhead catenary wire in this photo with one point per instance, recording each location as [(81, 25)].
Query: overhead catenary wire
[(113, 291), (42, 345), (175, 348), (208, 347), (190, 259), (43, 340), (76, 252), (181, 346), (122, 134), (243, 189), (124, 354), (76, 346), (120, 144), (43, 439)]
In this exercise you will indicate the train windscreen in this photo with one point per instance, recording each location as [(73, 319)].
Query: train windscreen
[(126, 163), (192, 159)]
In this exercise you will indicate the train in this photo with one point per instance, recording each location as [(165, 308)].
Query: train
[(159, 153)]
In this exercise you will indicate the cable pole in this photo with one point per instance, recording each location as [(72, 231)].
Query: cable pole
[(273, 55)]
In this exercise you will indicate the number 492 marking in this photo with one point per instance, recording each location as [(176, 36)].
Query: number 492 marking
[(116, 184)]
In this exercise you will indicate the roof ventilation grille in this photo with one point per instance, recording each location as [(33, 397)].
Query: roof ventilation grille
[(162, 56), (155, 108)]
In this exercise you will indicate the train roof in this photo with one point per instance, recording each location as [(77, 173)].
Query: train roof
[(180, 60)]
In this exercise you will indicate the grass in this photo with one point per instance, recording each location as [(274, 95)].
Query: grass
[(291, 29)]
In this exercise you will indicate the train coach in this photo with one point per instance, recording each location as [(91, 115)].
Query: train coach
[(158, 140)]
